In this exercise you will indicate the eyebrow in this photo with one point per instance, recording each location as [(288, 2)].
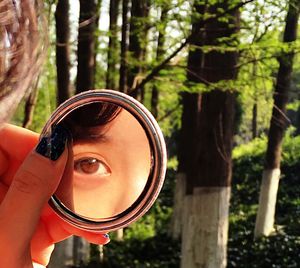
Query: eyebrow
[(92, 138)]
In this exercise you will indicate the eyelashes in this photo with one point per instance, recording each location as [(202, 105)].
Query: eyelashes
[(91, 166)]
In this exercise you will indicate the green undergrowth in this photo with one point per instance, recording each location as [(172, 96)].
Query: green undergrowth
[(282, 248)]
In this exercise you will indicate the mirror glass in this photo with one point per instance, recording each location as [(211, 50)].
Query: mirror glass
[(109, 161)]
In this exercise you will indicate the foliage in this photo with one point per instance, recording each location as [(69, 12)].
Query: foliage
[(281, 249)]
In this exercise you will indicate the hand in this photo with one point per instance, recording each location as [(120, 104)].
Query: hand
[(29, 228)]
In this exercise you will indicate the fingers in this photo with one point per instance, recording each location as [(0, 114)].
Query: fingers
[(17, 142), (3, 163), (60, 229), (30, 190), (34, 183), (41, 244), (99, 239)]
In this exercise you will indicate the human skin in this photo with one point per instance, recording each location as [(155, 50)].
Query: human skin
[(119, 174), (29, 228)]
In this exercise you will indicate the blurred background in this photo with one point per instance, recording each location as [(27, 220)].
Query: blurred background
[(222, 80)]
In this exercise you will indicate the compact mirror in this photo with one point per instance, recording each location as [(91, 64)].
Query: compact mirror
[(116, 163)]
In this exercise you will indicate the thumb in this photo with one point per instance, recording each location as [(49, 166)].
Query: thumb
[(34, 183)]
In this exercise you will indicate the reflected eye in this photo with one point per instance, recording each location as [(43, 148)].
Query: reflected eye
[(91, 166)]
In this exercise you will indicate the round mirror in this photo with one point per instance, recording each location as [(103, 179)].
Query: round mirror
[(116, 162)]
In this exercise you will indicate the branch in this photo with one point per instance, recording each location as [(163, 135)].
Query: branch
[(168, 113), (160, 66)]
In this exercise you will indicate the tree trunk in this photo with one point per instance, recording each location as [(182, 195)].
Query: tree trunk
[(159, 56), (254, 120), (178, 208), (124, 48), (112, 55), (63, 254), (204, 239), (97, 41), (269, 186), (254, 108), (86, 46), (137, 42), (62, 50), (81, 251), (187, 135), (205, 227), (29, 107)]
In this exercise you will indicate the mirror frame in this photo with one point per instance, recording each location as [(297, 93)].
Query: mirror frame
[(156, 174)]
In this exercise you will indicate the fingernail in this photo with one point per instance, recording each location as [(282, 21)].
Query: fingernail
[(52, 147), (106, 235)]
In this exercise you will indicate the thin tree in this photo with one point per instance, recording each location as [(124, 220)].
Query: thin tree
[(29, 107), (124, 48), (205, 225), (137, 43), (62, 50), (160, 51), (86, 45), (271, 174), (187, 134), (112, 55)]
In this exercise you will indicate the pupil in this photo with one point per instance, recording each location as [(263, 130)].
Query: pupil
[(89, 165)]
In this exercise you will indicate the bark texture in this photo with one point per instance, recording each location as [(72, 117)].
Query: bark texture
[(177, 217), (86, 46), (29, 107), (204, 240), (112, 55), (137, 42), (124, 47), (215, 118), (267, 200), (62, 50), (279, 119), (159, 56)]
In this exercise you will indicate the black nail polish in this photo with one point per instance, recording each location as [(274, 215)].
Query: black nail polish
[(106, 235), (52, 147)]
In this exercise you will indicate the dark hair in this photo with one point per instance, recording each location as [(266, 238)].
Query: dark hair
[(84, 122), (22, 50)]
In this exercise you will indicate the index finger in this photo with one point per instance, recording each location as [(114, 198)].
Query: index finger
[(17, 142)]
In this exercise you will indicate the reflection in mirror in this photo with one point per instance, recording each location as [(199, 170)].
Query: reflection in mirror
[(109, 161)]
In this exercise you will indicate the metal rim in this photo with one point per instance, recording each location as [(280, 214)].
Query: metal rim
[(157, 144)]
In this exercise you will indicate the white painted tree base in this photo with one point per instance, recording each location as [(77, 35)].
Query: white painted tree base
[(267, 203), (120, 235), (205, 232)]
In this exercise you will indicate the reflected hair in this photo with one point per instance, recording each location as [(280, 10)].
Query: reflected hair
[(89, 120)]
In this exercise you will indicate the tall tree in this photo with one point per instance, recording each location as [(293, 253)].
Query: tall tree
[(86, 45), (187, 135), (205, 227), (62, 50), (124, 48), (137, 42), (271, 174), (112, 55), (160, 51)]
